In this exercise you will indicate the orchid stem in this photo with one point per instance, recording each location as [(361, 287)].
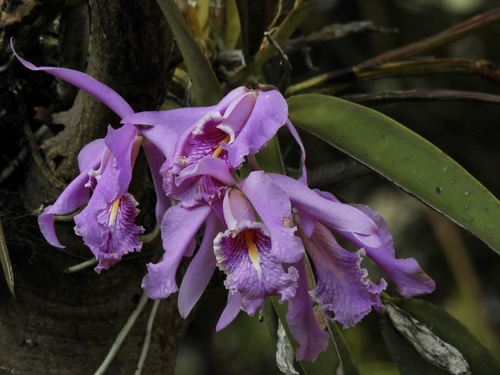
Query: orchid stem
[(122, 336), (147, 338), (81, 266)]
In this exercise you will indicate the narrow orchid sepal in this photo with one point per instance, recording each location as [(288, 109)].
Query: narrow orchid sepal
[(231, 311), (200, 269), (302, 320), (99, 90), (178, 241), (344, 219)]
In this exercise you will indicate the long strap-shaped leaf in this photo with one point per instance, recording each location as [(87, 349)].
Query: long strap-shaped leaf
[(404, 158), (206, 88)]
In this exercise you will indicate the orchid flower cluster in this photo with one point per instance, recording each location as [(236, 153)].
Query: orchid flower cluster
[(264, 231)]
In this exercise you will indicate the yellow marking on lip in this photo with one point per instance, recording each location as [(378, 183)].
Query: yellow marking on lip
[(219, 149), (253, 252), (114, 212)]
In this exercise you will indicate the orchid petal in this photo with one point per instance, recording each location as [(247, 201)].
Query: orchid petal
[(344, 219), (269, 114), (273, 207), (120, 143), (210, 167), (231, 310), (108, 229), (200, 269), (88, 156), (236, 209), (406, 273), (295, 135), (245, 255), (99, 90), (233, 96), (236, 115), (202, 182), (302, 320), (74, 196), (155, 160), (178, 240), (163, 128), (342, 286)]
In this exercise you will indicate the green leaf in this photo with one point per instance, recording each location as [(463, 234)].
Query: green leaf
[(446, 328), (404, 158), (270, 159), (336, 359), (5, 260), (206, 88)]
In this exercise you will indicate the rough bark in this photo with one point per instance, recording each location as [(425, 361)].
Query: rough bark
[(61, 323)]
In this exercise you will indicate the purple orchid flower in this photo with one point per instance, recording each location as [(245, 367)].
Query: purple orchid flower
[(241, 124), (106, 224), (199, 174), (343, 288), (253, 254), (248, 256)]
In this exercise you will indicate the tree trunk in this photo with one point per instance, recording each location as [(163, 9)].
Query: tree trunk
[(62, 323)]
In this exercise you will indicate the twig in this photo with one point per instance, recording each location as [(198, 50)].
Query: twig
[(6, 172), (387, 97), (287, 67), (334, 32), (444, 37), (147, 338), (482, 68), (81, 266), (122, 336), (293, 19), (340, 79)]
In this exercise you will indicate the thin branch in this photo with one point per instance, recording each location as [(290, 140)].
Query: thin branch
[(300, 10), (444, 37), (341, 79), (334, 32), (7, 171), (122, 336), (81, 266), (338, 80), (388, 97), (287, 67), (147, 338)]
